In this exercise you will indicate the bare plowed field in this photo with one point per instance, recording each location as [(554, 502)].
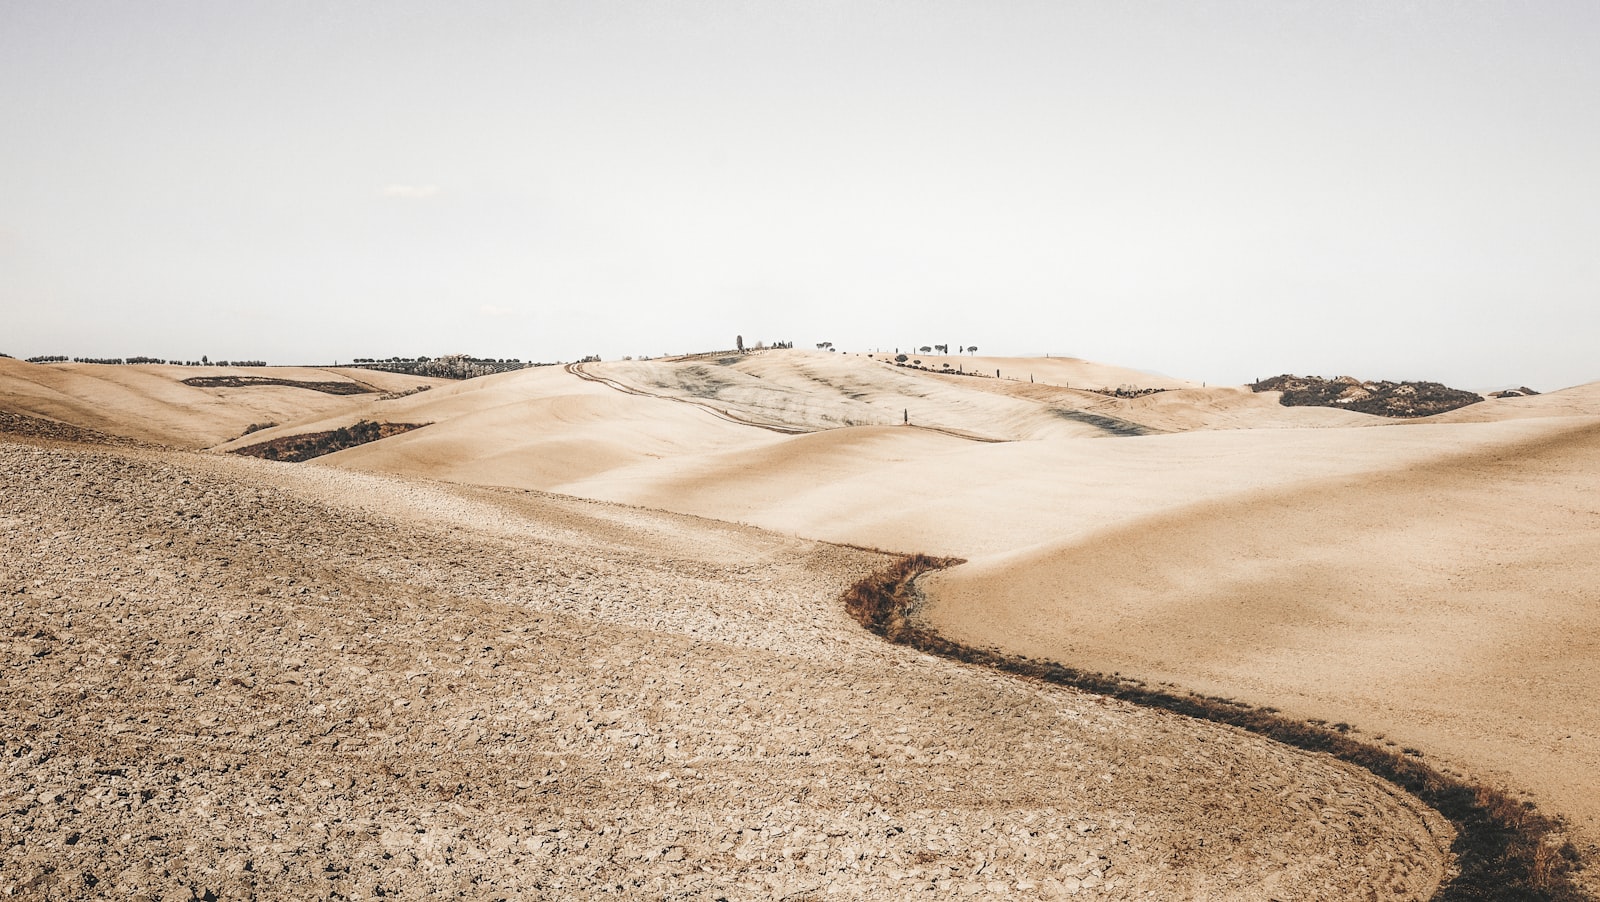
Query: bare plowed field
[(235, 679)]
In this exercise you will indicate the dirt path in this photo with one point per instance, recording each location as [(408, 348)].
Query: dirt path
[(260, 680)]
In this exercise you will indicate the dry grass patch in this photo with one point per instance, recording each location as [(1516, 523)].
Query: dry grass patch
[(298, 448)]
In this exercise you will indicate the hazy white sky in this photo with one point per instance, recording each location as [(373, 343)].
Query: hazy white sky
[(1213, 190)]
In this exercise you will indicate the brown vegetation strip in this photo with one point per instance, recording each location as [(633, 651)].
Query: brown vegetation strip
[(327, 388), (1504, 849), (298, 448)]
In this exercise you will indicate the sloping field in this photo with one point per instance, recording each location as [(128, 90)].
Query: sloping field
[(234, 679), (1450, 604), (150, 402)]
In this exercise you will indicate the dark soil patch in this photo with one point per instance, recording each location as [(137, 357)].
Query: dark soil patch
[(1110, 425), (298, 448), (1505, 849), (1384, 399), (327, 388)]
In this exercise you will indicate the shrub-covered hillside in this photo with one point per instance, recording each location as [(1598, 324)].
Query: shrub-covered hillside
[(1385, 399)]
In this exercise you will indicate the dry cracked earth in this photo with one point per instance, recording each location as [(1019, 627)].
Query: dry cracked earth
[(232, 679)]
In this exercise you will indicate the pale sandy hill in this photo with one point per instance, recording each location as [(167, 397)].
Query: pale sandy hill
[(538, 428), (883, 485), (1579, 400), (1067, 372), (445, 400), (1237, 407), (1010, 506), (1175, 410), (814, 391), (646, 421), (910, 489), (1449, 603), (151, 403), (1032, 399)]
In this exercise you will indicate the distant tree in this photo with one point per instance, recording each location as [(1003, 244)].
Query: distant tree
[(925, 349), (972, 349), (204, 360), (900, 358), (739, 339), (943, 349)]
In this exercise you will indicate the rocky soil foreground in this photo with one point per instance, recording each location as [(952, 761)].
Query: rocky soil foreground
[(231, 679)]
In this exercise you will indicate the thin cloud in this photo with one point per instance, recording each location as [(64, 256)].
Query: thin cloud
[(411, 192)]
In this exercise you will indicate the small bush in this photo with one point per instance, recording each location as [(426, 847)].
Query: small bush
[(1385, 399)]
